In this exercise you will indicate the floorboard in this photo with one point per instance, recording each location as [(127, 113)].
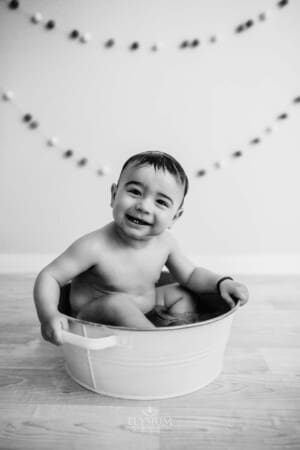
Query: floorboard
[(253, 404)]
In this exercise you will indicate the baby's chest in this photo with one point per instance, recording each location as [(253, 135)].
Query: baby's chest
[(122, 272)]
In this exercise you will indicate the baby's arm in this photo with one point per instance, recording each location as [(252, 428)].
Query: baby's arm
[(200, 280), (80, 256)]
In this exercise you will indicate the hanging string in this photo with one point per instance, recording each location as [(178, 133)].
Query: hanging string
[(255, 141), (85, 37), (53, 141), (83, 161)]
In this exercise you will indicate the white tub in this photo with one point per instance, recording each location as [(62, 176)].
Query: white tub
[(146, 364)]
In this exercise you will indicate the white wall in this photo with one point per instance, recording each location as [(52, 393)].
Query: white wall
[(199, 105)]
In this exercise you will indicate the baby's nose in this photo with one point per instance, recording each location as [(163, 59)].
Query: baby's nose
[(143, 206)]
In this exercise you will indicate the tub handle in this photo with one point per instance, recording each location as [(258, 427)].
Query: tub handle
[(89, 343)]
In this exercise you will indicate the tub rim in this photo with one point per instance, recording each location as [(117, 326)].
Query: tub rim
[(159, 329)]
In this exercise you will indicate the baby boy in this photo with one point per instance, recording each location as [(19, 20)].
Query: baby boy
[(114, 270)]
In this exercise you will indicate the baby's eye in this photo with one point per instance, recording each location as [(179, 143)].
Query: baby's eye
[(163, 203), (134, 191)]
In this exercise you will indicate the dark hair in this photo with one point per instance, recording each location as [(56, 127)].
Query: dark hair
[(159, 160)]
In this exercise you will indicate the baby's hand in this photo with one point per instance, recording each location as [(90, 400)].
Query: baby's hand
[(51, 329), (231, 291)]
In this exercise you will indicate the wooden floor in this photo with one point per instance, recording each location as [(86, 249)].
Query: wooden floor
[(254, 404)]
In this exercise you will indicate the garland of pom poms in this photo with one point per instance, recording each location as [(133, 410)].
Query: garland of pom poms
[(253, 142), (52, 141), (75, 35), (83, 161)]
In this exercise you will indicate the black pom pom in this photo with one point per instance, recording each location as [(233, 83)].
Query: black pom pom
[(82, 162), (282, 3), (27, 117), (110, 43), (68, 153), (50, 25), (134, 46), (201, 173), (195, 43), (237, 154), (14, 4), (249, 23), (282, 116), (74, 34)]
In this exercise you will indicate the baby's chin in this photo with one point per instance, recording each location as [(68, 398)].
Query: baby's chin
[(135, 234)]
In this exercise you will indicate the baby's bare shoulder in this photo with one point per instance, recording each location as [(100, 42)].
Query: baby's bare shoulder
[(92, 241), (169, 240)]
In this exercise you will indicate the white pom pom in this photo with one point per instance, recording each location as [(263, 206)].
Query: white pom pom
[(157, 46), (85, 38), (36, 17), (219, 164), (104, 170), (8, 95), (52, 141)]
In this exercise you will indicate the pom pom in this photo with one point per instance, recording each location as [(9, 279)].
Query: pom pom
[(82, 162), (8, 95), (36, 18), (218, 164), (282, 3), (255, 141), (237, 154), (85, 38), (104, 170), (201, 173), (296, 99), (74, 34), (157, 46), (195, 43), (184, 44), (50, 25), (240, 28), (52, 141), (249, 23), (34, 124), (262, 17), (134, 46), (68, 153), (27, 117), (14, 4), (282, 116), (110, 43), (212, 39), (268, 130)]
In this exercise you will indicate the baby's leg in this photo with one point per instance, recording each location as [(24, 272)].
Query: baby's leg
[(176, 299), (115, 309)]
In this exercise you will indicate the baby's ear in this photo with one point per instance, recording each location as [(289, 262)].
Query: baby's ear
[(113, 191), (177, 215)]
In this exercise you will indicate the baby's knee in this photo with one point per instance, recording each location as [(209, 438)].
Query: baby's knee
[(182, 302)]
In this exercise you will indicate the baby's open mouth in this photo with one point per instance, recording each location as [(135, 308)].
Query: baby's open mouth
[(137, 221)]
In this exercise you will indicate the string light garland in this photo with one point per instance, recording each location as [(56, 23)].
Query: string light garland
[(75, 35), (252, 142), (33, 124), (83, 161)]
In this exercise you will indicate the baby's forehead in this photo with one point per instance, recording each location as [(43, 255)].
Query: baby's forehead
[(148, 174), (133, 171)]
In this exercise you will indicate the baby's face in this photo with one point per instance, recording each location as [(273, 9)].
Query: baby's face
[(146, 202)]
